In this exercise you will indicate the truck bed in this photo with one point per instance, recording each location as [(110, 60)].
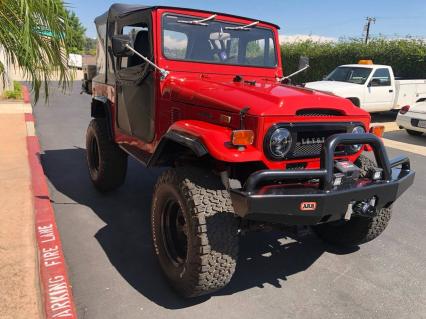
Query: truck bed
[(409, 92)]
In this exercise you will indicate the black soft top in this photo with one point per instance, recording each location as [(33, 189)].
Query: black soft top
[(118, 10)]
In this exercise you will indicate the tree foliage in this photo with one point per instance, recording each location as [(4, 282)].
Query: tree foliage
[(90, 46), (407, 56), (78, 38), (36, 35)]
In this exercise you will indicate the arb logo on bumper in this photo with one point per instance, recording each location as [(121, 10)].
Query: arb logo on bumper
[(308, 206)]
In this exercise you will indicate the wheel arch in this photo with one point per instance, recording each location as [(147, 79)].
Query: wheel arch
[(174, 144), (355, 100), (100, 108), (202, 140)]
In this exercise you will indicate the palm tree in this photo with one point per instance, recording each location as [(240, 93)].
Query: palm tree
[(35, 34)]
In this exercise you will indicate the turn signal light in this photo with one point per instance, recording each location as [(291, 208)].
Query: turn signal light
[(377, 130), (404, 109), (242, 137)]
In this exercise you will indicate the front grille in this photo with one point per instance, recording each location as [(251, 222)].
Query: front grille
[(318, 112), (296, 166), (310, 143), (307, 150), (308, 138)]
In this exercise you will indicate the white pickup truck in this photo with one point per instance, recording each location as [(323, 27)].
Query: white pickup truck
[(372, 87)]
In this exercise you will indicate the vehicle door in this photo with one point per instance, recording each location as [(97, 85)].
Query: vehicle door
[(135, 81), (380, 92)]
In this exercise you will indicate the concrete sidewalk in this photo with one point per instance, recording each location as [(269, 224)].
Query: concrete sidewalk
[(19, 287)]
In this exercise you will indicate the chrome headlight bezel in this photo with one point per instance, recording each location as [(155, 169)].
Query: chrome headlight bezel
[(274, 146)]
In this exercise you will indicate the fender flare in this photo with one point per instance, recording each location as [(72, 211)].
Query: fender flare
[(204, 139), (101, 108), (354, 99)]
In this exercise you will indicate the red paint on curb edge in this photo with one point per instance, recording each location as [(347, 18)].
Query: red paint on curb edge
[(56, 289), (26, 94), (29, 117)]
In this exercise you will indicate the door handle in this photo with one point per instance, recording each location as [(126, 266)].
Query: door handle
[(390, 91)]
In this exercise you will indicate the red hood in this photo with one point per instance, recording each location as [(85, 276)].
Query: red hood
[(264, 98)]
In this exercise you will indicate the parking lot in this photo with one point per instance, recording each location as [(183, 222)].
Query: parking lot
[(114, 273)]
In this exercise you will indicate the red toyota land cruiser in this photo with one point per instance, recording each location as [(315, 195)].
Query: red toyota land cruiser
[(202, 94)]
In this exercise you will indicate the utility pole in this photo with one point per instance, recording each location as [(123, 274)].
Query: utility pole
[(367, 27)]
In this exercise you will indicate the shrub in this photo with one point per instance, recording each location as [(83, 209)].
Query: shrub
[(14, 94), (407, 57)]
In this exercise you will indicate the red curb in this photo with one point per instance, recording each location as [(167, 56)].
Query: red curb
[(29, 117), (56, 289), (26, 94)]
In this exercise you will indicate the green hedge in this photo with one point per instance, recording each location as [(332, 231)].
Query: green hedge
[(14, 94), (407, 57)]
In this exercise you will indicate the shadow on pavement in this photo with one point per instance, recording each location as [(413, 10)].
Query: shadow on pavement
[(403, 136), (265, 258), (383, 117)]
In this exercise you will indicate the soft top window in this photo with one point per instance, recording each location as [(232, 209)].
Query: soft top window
[(100, 48), (217, 42)]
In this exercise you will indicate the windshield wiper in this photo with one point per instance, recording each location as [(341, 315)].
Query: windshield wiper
[(199, 22), (243, 27)]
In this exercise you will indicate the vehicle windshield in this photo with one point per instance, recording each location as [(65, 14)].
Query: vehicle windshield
[(357, 75), (217, 42)]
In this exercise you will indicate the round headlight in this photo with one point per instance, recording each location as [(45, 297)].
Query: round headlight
[(279, 143), (357, 130)]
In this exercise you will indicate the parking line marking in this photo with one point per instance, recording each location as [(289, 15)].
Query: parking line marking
[(412, 148)]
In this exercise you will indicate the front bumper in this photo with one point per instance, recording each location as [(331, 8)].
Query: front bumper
[(266, 198)]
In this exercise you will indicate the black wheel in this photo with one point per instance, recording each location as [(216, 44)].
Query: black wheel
[(194, 231), (414, 133), (359, 229), (106, 161)]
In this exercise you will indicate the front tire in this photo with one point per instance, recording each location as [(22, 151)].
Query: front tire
[(194, 231), (106, 161), (359, 229)]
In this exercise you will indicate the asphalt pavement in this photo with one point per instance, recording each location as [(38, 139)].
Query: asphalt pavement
[(114, 273)]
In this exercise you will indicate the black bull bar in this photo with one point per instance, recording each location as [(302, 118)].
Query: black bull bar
[(265, 198)]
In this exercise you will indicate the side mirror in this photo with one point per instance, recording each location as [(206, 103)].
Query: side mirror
[(119, 45), (374, 82), (303, 62)]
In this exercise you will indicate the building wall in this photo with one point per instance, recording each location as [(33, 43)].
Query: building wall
[(5, 78)]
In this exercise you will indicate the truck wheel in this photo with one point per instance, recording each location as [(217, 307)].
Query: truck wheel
[(414, 133), (359, 229), (106, 161), (194, 231)]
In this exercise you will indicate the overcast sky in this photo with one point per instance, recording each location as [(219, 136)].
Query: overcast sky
[(324, 19)]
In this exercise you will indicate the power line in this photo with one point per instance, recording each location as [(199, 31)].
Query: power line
[(367, 27)]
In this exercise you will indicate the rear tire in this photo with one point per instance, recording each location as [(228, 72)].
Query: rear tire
[(413, 133), (106, 161), (359, 229), (194, 231)]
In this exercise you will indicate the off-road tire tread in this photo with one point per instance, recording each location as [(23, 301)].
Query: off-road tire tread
[(358, 230), (365, 164), (113, 160), (215, 240)]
